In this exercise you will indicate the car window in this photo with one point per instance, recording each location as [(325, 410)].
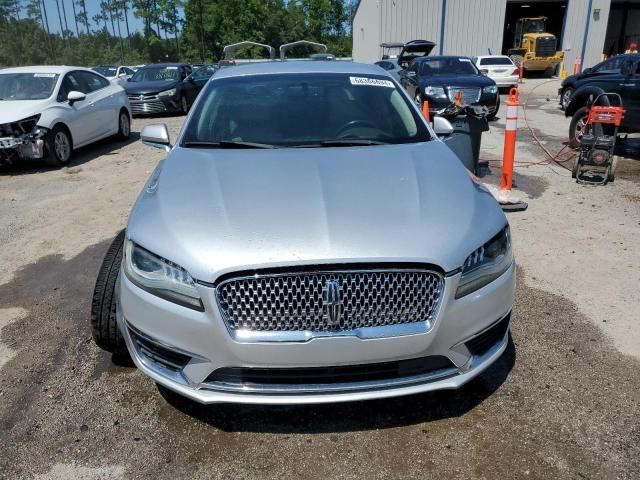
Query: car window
[(27, 86), (304, 110), (70, 82), (496, 61), (128, 71), (106, 71), (613, 65), (385, 65), (448, 66), (92, 81)]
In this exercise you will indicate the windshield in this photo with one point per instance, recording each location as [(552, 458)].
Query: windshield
[(448, 66), (106, 71), (496, 61), (304, 110), (155, 74), (27, 86)]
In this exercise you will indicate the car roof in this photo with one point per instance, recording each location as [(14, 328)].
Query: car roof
[(169, 64), (59, 69), (300, 66), (439, 57), (493, 56)]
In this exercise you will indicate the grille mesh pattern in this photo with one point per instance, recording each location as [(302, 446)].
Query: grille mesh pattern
[(295, 302), (470, 95)]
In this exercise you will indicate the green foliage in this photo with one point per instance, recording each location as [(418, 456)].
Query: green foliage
[(188, 30)]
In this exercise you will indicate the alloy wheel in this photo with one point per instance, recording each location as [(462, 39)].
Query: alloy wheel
[(62, 146), (125, 125)]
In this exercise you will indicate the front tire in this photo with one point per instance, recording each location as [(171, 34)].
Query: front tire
[(58, 147), (104, 327), (565, 98)]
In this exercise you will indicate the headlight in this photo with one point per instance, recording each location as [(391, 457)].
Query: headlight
[(167, 93), (434, 91), (486, 263), (160, 277), (492, 89)]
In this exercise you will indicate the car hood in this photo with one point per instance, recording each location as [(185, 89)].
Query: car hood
[(457, 80), (12, 111), (216, 211), (150, 87)]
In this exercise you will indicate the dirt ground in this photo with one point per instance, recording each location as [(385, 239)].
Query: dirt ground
[(562, 402)]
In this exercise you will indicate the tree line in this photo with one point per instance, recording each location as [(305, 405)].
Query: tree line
[(172, 30)]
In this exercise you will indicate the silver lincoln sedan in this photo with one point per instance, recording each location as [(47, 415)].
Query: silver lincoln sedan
[(309, 238)]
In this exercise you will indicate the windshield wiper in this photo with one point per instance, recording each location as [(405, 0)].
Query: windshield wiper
[(351, 142), (227, 144), (341, 143)]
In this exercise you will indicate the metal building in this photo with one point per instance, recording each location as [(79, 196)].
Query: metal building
[(584, 28)]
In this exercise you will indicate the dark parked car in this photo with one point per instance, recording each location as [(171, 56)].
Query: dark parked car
[(437, 79), (621, 77), (599, 72), (165, 87)]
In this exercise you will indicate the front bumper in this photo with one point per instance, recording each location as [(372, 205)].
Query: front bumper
[(26, 146), (489, 100), (181, 348)]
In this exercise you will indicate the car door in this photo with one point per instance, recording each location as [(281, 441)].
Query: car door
[(410, 79), (101, 95), (188, 85), (80, 116), (631, 96)]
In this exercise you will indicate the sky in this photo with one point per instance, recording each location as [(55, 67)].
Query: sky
[(93, 7)]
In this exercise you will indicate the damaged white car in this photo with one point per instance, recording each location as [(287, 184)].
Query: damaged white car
[(46, 112)]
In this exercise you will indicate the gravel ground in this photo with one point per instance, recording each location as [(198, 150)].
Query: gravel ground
[(562, 402)]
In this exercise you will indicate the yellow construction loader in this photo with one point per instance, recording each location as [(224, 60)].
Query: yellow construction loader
[(533, 47)]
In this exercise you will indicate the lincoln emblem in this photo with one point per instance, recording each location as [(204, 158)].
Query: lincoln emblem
[(332, 302)]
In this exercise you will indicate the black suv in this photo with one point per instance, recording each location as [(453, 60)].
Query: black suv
[(619, 74)]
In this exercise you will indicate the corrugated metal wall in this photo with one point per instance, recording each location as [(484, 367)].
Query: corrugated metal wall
[(578, 15), (471, 27)]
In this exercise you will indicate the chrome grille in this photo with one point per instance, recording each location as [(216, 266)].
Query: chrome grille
[(470, 95), (149, 106), (296, 301)]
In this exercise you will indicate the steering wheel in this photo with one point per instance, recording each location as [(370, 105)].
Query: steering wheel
[(354, 124)]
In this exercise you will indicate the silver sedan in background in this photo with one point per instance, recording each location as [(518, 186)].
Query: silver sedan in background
[(308, 239)]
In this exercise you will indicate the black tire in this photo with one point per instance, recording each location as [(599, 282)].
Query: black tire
[(58, 147), (184, 105), (104, 327), (565, 97), (574, 127), (124, 125), (612, 169), (493, 115), (548, 72)]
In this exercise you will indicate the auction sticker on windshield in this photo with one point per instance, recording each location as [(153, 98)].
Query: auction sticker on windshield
[(44, 75), (372, 82)]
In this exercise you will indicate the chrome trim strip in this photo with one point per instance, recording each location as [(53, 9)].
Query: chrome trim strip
[(332, 387)]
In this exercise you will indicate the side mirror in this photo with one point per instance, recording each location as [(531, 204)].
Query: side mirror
[(75, 96), (156, 136), (587, 71), (442, 126)]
